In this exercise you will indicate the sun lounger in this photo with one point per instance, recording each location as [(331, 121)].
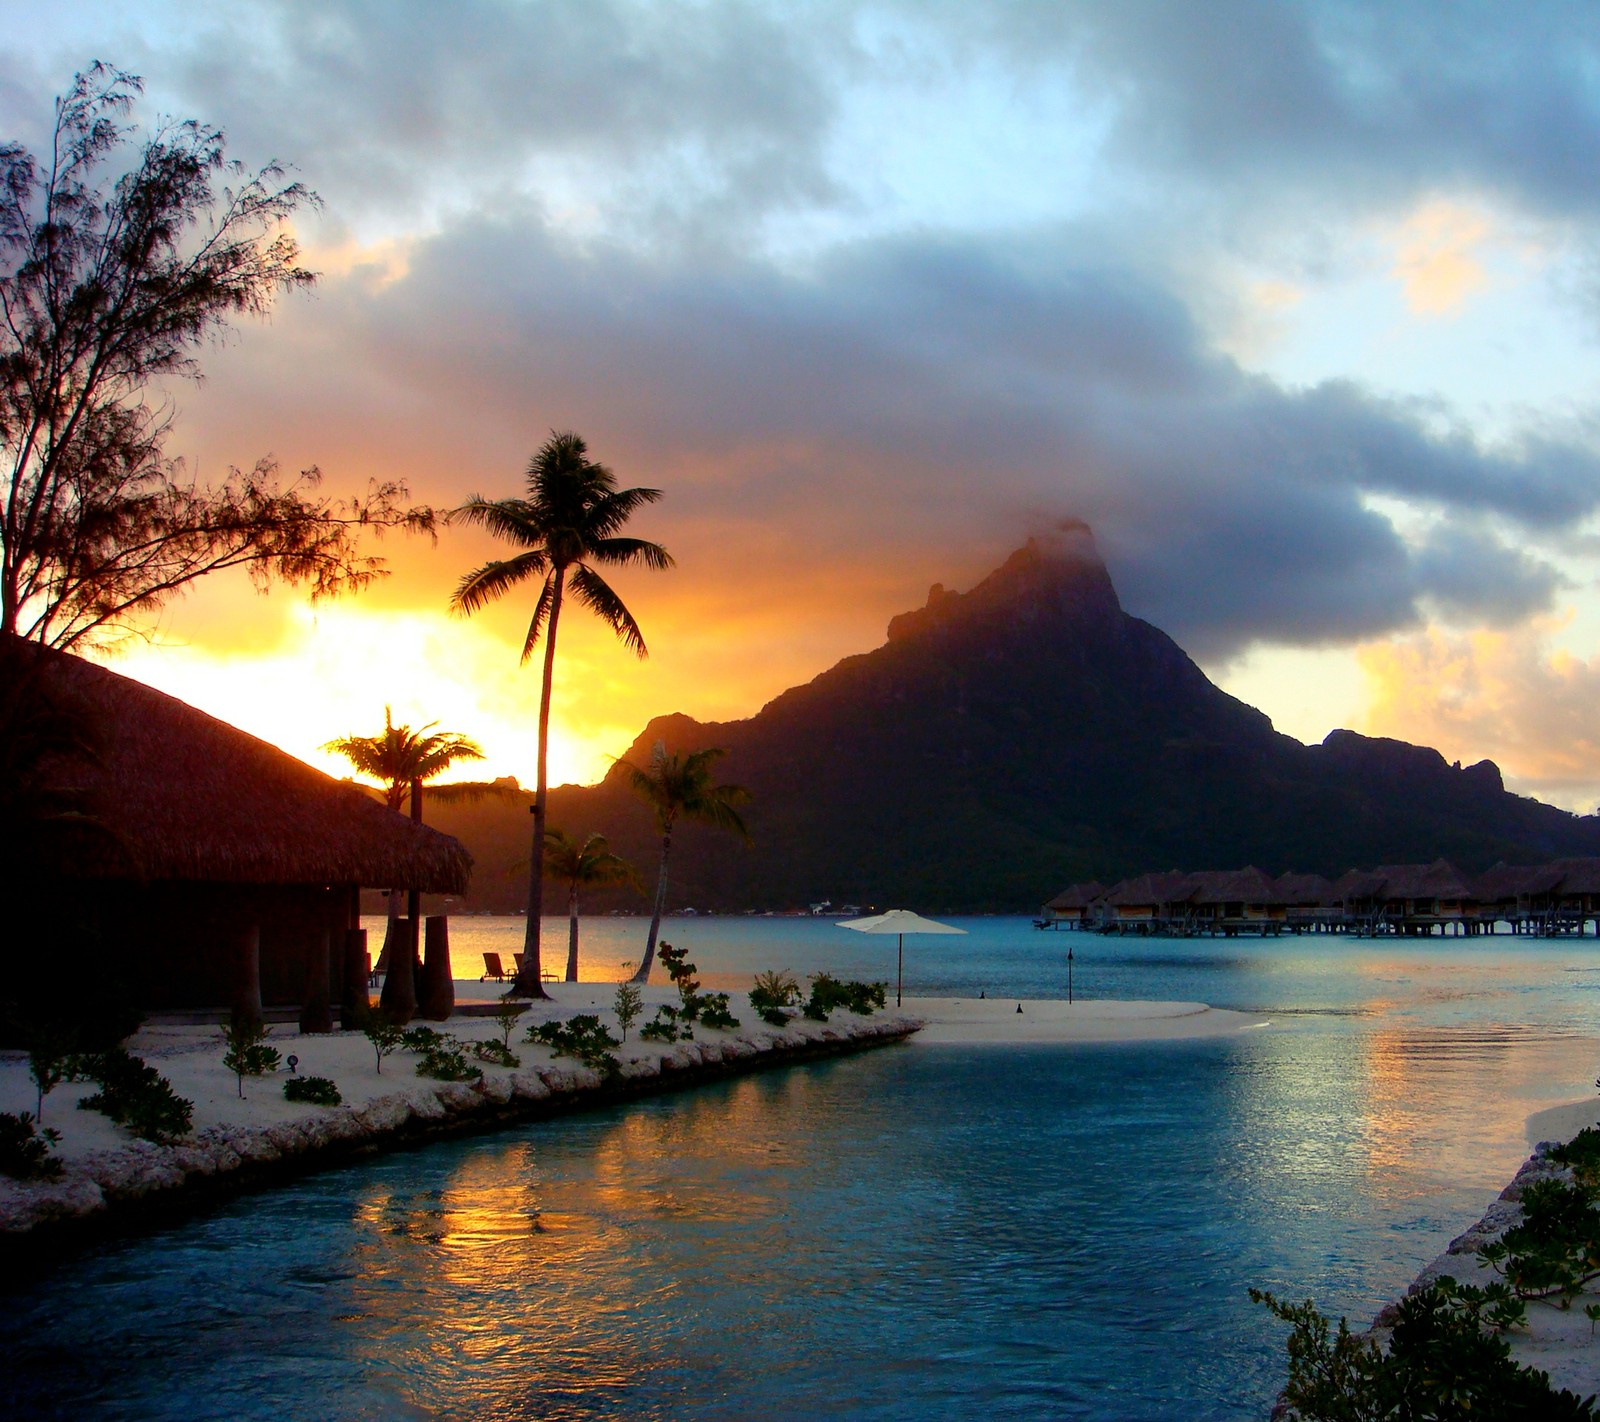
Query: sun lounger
[(492, 968)]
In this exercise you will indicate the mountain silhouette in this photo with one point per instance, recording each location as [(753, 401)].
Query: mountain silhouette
[(1011, 739)]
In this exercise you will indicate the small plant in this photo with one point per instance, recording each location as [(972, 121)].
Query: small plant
[(496, 1053), (508, 1012), (134, 1095), (1555, 1250), (386, 1037), (49, 1060), (664, 1027), (317, 1090), (628, 1004), (828, 992), (248, 1053), (771, 993), (25, 1149), (694, 1004), (441, 1056), (714, 1011), (583, 1037)]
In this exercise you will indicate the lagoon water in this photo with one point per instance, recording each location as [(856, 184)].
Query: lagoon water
[(918, 1232)]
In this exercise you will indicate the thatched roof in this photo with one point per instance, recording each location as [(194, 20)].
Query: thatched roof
[(1242, 886), (1305, 890), (1579, 876), (1157, 890), (1505, 883), (1078, 896), (193, 798), (1439, 880)]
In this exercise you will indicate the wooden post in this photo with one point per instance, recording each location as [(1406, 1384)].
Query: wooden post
[(438, 996), (317, 1015), (353, 998), (246, 1004), (399, 999)]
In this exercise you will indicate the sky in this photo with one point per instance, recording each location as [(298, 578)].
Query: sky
[(1296, 304)]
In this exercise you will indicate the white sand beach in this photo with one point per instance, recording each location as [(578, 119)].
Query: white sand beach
[(190, 1056), (996, 1021)]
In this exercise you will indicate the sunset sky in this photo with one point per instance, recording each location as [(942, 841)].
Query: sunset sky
[(1297, 305)]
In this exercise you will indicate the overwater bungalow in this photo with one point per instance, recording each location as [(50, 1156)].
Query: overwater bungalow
[(1151, 903), (1520, 895), (1307, 899), (1422, 898), (1080, 906), (222, 873), (1238, 901)]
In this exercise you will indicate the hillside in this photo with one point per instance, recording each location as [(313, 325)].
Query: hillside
[(1010, 739)]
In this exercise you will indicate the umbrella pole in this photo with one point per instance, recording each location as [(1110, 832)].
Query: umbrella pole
[(899, 966)]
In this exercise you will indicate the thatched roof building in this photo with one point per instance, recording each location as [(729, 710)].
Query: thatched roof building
[(224, 871), (191, 797)]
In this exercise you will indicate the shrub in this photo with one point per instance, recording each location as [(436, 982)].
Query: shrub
[(828, 992), (582, 1037), (496, 1053), (771, 993), (628, 1004), (506, 1016), (133, 1095), (248, 1053), (318, 1090), (386, 1036), (664, 1027), (710, 1008), (25, 1150), (441, 1056), (1441, 1363)]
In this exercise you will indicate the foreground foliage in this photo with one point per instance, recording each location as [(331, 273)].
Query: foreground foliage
[(134, 1095), (25, 1149), (1441, 1365), (582, 1036), (318, 1090), (248, 1053)]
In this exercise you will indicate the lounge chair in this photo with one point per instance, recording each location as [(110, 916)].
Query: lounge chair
[(518, 957), (492, 968)]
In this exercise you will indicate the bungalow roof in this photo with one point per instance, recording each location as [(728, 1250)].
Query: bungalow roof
[(1078, 895), (1247, 885), (189, 797)]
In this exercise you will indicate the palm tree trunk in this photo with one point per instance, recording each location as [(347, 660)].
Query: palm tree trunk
[(643, 973), (572, 933), (530, 981)]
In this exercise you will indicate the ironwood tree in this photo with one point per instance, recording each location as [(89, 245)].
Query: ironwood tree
[(119, 258)]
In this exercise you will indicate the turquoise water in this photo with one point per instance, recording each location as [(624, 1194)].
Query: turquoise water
[(919, 1232)]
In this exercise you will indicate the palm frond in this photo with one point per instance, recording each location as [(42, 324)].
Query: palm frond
[(483, 585), (601, 599), (515, 520), (632, 550), (541, 614)]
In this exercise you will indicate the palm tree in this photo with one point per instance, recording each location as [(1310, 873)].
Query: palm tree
[(575, 865), (401, 759), (678, 786), (569, 521)]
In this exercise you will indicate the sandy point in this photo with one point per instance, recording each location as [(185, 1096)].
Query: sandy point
[(952, 1020)]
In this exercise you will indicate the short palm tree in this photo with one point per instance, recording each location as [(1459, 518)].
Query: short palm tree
[(581, 866), (401, 760), (677, 786), (569, 521)]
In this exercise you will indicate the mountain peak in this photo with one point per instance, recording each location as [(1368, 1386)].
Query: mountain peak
[(1059, 571)]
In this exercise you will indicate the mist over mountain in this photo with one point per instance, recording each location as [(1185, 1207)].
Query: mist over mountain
[(1008, 740)]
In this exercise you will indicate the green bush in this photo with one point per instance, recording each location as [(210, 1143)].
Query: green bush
[(583, 1037), (771, 993), (25, 1149), (133, 1095), (1441, 1363), (714, 1011), (317, 1090), (710, 1008), (248, 1053), (441, 1056), (386, 1037), (664, 1027), (496, 1053), (628, 1004), (828, 992)]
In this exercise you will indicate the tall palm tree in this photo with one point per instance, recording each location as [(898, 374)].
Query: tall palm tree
[(402, 759), (579, 866), (677, 786), (569, 521)]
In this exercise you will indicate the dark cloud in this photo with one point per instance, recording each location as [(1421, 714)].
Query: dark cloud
[(920, 400)]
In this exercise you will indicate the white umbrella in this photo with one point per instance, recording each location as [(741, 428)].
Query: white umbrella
[(898, 922)]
